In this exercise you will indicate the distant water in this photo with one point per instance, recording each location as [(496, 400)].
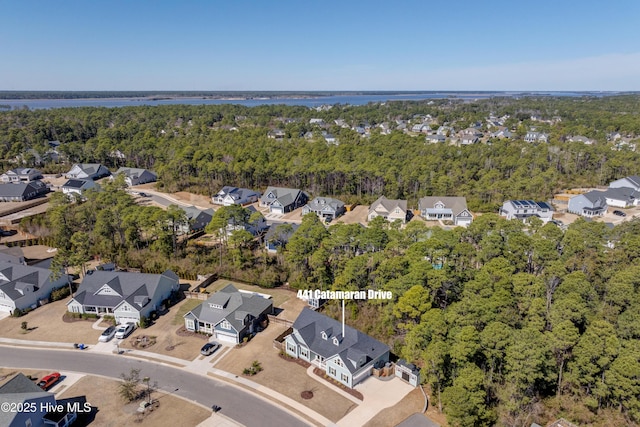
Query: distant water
[(307, 102)]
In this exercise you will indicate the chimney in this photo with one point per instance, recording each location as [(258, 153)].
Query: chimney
[(343, 318)]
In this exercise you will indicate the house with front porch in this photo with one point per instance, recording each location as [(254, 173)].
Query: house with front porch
[(391, 210), (23, 286), (342, 352), (282, 200), (125, 296), (524, 209), (235, 196), (589, 205), (88, 171), (445, 209), (230, 314), (21, 175), (325, 208)]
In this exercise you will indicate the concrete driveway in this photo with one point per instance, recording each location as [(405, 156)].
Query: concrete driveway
[(378, 395)]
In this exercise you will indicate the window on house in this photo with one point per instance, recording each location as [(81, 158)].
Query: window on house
[(344, 378), (190, 324), (304, 352), (225, 324), (339, 362), (332, 372), (291, 348)]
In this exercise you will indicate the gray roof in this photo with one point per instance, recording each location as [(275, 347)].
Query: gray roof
[(622, 193), (20, 389), (456, 204), (135, 172), (235, 305), (274, 233), (20, 278), (355, 348), (236, 193), (126, 286), (597, 198), (20, 189), (388, 205), (286, 196), (319, 203)]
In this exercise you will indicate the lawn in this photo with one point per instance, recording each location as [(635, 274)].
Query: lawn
[(183, 308)]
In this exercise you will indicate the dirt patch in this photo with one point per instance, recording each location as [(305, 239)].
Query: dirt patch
[(111, 410), (47, 325), (143, 342), (306, 395), (356, 216), (289, 379)]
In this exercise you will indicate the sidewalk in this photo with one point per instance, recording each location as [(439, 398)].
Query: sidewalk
[(197, 366)]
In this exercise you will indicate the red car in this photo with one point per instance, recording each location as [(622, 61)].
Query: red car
[(47, 382)]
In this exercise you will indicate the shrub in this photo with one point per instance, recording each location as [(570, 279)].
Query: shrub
[(17, 313), (60, 293), (24, 326), (144, 322)]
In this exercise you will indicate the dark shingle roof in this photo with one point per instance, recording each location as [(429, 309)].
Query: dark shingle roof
[(355, 348)]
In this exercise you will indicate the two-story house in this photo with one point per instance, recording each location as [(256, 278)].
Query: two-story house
[(282, 200), (21, 175), (445, 209), (325, 207), (342, 352), (235, 196), (525, 209), (589, 205), (391, 210)]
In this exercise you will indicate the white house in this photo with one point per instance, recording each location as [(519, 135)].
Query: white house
[(126, 296), (136, 176), (391, 210), (235, 196), (23, 286), (589, 205), (76, 187), (87, 171), (525, 209), (446, 209)]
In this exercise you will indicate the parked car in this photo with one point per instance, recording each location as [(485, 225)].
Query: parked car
[(47, 382), (619, 213), (125, 330), (107, 334), (209, 348)]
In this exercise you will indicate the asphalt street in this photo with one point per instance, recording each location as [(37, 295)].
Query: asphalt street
[(235, 403)]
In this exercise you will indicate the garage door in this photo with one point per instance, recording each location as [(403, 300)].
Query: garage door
[(226, 338), (6, 308), (277, 210), (123, 320)]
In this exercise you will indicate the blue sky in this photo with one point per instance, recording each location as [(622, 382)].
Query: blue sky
[(323, 45)]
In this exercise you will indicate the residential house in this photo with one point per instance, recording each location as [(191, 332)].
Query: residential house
[(22, 191), (330, 138), (253, 222), (197, 219), (34, 403), (21, 175), (622, 197), (525, 209), (126, 296), (469, 140), (136, 176), (434, 139), (391, 210), (632, 181), (77, 187), (12, 254), (502, 133), (446, 209), (87, 171), (282, 200), (318, 122), (276, 134), (590, 204), (582, 139), (230, 315), (278, 235), (532, 136), (23, 286), (445, 130), (342, 352), (235, 196), (325, 207)]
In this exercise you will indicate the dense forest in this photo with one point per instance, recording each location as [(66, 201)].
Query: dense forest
[(509, 323), (202, 148)]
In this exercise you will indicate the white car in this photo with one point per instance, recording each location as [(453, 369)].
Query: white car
[(125, 330)]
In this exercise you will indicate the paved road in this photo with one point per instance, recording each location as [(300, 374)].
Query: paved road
[(236, 404)]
